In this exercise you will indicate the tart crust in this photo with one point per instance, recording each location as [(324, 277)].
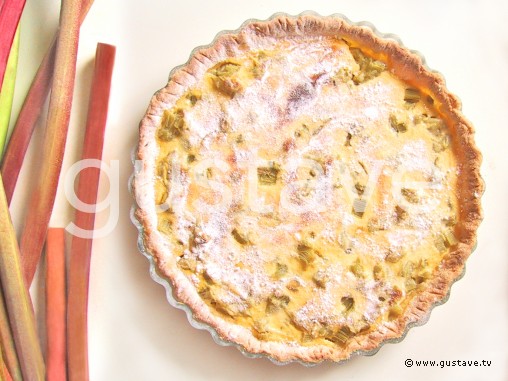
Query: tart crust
[(405, 65)]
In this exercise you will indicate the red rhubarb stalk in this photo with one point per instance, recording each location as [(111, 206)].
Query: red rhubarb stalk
[(10, 13), (81, 247), (55, 305), (43, 195), (29, 114)]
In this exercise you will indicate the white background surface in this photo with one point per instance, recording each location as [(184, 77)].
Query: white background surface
[(134, 334)]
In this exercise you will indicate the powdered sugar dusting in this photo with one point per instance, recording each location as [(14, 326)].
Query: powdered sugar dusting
[(302, 125), (414, 157)]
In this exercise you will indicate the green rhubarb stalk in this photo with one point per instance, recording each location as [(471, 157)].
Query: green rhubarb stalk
[(7, 91)]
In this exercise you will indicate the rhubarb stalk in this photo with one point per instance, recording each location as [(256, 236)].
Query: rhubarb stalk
[(17, 298), (4, 372), (7, 92), (55, 305), (43, 196), (25, 124), (7, 342), (10, 13), (81, 247), (29, 114)]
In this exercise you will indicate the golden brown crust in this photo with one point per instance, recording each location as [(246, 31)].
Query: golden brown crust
[(405, 65)]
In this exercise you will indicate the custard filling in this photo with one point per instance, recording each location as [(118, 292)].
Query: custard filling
[(306, 191)]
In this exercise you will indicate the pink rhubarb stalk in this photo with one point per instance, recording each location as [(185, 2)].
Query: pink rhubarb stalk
[(10, 13)]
